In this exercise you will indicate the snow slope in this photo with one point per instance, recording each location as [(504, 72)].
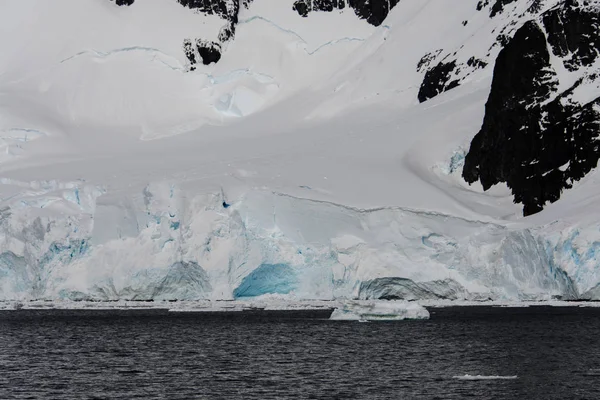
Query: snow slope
[(300, 164)]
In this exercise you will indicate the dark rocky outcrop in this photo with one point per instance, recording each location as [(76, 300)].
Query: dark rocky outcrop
[(210, 52), (190, 52), (303, 7), (573, 30), (437, 80), (201, 50), (499, 6), (427, 59), (482, 4), (123, 2), (442, 77), (476, 63), (226, 9), (374, 11), (536, 140)]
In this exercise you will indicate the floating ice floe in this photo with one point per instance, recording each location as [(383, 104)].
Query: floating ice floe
[(468, 377), (379, 311)]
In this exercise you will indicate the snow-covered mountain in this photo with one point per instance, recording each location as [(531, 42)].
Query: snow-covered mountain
[(314, 149)]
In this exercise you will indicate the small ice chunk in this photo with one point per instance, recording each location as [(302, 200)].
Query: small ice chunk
[(379, 311), (468, 377)]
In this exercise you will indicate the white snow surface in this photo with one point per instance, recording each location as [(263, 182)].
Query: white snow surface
[(299, 165)]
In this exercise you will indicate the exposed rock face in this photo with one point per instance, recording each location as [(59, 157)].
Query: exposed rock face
[(302, 7), (574, 30), (190, 52), (444, 71), (210, 52), (374, 11), (437, 80), (199, 49), (534, 138), (123, 2), (499, 6), (226, 9), (207, 51), (443, 76)]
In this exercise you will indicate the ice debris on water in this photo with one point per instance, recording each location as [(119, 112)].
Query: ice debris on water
[(379, 311), (468, 377)]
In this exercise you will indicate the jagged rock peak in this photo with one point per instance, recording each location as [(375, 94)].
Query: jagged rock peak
[(537, 139)]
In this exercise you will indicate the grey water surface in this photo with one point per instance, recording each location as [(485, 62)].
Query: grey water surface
[(553, 352)]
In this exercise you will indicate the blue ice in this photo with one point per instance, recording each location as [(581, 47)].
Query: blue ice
[(268, 279)]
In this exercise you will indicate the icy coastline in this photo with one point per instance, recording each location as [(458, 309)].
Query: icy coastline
[(352, 309), (335, 310)]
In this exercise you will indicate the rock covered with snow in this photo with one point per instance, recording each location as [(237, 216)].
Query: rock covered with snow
[(373, 11), (123, 2)]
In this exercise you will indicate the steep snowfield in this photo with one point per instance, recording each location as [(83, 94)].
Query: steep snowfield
[(300, 164)]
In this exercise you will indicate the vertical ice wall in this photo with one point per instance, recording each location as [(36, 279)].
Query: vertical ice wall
[(164, 243)]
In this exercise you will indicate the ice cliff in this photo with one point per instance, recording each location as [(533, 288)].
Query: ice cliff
[(162, 243)]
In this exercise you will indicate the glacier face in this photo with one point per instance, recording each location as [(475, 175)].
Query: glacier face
[(164, 243)]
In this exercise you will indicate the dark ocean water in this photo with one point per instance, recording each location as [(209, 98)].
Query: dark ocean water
[(554, 352)]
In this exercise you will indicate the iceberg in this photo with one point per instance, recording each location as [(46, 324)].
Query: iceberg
[(379, 311)]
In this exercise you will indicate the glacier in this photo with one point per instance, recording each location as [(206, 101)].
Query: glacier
[(300, 167), (163, 244)]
